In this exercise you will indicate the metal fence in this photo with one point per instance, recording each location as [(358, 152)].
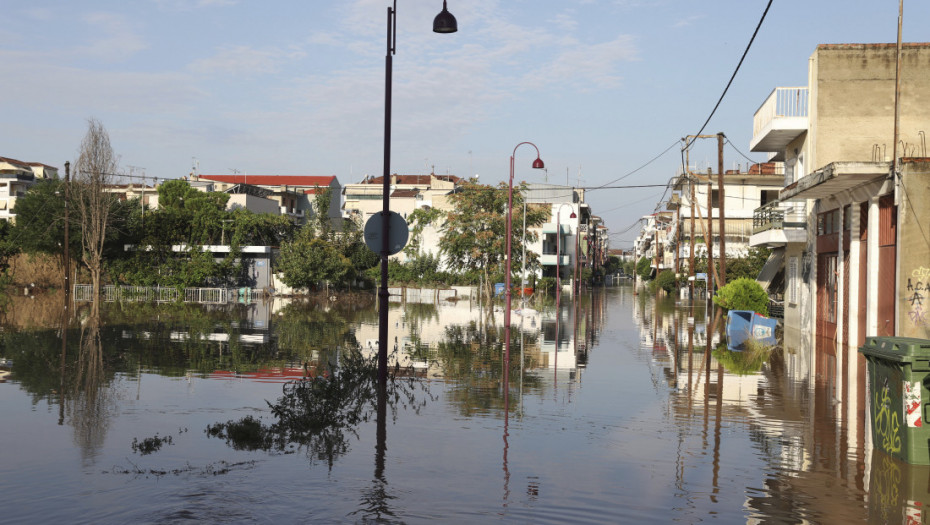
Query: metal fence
[(162, 294), (422, 295)]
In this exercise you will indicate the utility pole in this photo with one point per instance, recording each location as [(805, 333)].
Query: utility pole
[(691, 237), (688, 140), (67, 252), (709, 242), (721, 201)]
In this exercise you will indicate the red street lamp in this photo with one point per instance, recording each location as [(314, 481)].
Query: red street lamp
[(443, 23), (537, 164)]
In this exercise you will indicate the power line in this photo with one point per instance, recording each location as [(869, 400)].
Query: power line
[(727, 139), (733, 76), (637, 169)]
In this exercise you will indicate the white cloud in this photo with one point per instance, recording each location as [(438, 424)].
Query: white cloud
[(242, 61), (111, 38)]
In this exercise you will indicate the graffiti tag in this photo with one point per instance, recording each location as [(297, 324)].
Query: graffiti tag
[(887, 422)]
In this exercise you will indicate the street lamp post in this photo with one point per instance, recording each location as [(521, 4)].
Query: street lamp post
[(537, 164), (443, 23)]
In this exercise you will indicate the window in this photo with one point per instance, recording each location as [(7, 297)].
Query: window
[(793, 280), (828, 222), (767, 196), (714, 198)]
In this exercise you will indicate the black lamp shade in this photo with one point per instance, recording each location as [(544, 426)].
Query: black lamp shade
[(444, 21)]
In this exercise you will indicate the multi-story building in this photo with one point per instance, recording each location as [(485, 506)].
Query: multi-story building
[(293, 195), (408, 192), (743, 192), (850, 224), (15, 179)]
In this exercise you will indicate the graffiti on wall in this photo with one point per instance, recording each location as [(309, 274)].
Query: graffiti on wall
[(918, 285)]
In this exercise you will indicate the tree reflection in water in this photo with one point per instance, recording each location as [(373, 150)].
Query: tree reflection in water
[(319, 415), (90, 405)]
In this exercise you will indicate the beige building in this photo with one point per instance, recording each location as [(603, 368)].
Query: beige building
[(16, 177), (292, 195), (850, 226), (408, 192)]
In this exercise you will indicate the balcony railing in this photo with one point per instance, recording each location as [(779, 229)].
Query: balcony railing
[(779, 216), (783, 102)]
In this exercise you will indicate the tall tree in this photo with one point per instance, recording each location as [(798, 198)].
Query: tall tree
[(308, 260), (95, 208), (474, 233)]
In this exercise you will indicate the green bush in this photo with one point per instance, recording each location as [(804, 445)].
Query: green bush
[(743, 294), (644, 268), (666, 281)]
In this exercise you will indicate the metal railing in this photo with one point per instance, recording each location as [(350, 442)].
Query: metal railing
[(783, 102), (165, 294), (779, 216)]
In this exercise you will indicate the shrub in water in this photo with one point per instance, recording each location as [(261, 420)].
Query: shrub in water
[(743, 294)]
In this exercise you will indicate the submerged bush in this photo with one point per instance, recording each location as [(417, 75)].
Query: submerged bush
[(743, 294)]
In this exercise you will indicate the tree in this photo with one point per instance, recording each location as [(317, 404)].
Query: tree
[(95, 208), (7, 247), (474, 233), (322, 198), (39, 226), (307, 260)]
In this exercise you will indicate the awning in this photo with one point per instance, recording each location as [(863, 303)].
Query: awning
[(835, 178)]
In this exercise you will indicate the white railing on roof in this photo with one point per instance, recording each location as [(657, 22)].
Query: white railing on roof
[(783, 102)]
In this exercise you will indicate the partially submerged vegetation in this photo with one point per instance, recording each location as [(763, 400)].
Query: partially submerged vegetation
[(320, 414)]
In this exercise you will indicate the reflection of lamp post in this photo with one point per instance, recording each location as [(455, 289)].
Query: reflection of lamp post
[(537, 164), (443, 23)]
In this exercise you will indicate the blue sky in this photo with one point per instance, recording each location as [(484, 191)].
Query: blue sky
[(600, 86)]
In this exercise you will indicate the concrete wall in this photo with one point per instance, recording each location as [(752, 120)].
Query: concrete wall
[(853, 98), (913, 301)]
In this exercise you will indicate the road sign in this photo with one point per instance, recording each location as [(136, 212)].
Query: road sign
[(398, 234)]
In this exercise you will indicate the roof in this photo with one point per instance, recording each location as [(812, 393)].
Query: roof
[(273, 180), (405, 193), (24, 165), (424, 180)]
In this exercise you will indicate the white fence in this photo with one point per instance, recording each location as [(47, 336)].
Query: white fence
[(422, 295), (160, 294)]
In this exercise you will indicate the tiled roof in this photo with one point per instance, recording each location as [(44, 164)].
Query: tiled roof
[(423, 180), (406, 193), (274, 180)]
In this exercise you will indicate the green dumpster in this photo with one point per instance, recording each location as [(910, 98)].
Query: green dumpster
[(899, 377)]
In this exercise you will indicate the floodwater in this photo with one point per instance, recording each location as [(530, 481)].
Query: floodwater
[(607, 413)]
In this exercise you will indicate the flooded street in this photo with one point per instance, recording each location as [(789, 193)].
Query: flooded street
[(614, 416)]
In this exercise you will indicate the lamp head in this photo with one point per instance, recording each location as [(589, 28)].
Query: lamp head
[(444, 21), (573, 216), (538, 164)]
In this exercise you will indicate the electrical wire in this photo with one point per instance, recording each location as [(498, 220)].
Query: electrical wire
[(657, 157), (727, 140), (733, 76)]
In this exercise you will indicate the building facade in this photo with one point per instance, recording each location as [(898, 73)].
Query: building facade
[(850, 225)]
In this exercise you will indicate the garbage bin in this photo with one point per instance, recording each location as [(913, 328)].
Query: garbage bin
[(899, 377)]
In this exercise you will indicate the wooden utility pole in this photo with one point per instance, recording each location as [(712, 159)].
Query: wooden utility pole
[(720, 202), (66, 247), (691, 251), (709, 242)]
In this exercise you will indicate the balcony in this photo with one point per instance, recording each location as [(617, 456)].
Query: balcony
[(781, 119), (779, 223)]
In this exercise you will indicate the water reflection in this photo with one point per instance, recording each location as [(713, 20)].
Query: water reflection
[(748, 440)]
